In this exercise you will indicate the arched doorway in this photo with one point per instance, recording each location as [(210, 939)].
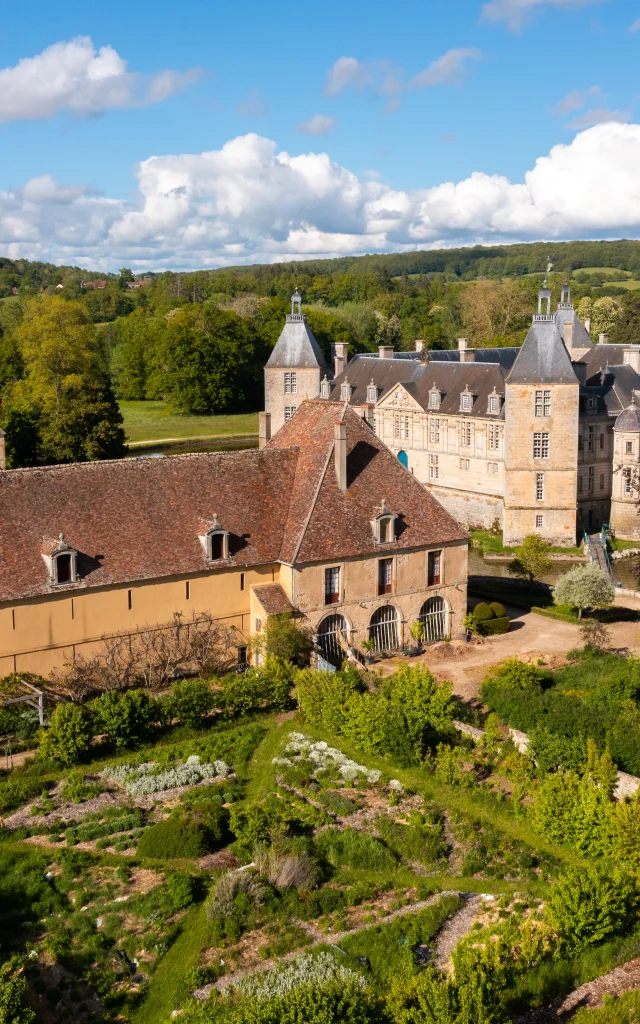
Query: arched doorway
[(332, 639), (434, 618), (383, 629), (403, 459)]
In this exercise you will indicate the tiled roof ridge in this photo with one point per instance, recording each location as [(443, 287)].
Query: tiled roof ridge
[(312, 504)]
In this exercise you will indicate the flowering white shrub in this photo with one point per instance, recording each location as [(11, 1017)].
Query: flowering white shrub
[(150, 778), (302, 748), (395, 785), (306, 969)]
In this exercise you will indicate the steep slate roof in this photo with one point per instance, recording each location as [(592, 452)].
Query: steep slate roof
[(543, 358), (581, 338), (418, 378), (337, 524), (137, 519), (296, 347)]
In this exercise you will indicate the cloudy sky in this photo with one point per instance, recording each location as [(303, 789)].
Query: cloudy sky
[(209, 134)]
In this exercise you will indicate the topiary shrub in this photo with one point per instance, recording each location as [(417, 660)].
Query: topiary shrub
[(498, 609), (493, 627), (175, 837), (482, 612)]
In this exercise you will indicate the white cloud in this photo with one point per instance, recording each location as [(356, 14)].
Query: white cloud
[(576, 100), (253, 106), (347, 71), (635, 26), (599, 115), (75, 77), (517, 12), (319, 124), (250, 202), (446, 70)]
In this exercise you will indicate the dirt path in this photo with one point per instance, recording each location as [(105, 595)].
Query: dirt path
[(456, 929), (622, 979)]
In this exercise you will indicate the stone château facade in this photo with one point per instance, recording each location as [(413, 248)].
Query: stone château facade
[(542, 439)]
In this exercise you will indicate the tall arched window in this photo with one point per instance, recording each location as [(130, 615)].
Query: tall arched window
[(434, 618)]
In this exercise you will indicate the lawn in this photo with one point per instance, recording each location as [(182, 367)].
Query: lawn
[(154, 421), (491, 544)]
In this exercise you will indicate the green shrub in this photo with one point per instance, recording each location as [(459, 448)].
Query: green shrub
[(349, 848), (497, 609), (126, 717), (494, 627), (19, 789), (176, 836), (69, 735), (588, 905), (76, 789), (190, 701), (624, 1009), (336, 801), (182, 889), (482, 612), (418, 840)]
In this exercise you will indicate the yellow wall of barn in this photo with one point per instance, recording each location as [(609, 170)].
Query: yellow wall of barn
[(41, 633)]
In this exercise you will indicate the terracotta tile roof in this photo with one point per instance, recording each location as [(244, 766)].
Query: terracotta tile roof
[(273, 599), (327, 524), (138, 519)]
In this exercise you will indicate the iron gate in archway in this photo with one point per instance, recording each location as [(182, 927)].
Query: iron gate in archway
[(383, 629), (433, 616)]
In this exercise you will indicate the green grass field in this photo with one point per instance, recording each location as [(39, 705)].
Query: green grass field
[(154, 421)]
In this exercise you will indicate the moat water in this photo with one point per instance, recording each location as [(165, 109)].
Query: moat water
[(626, 571)]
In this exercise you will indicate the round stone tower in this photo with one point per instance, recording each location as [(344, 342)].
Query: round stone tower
[(625, 490)]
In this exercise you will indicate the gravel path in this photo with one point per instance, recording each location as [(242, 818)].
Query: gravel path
[(621, 979), (456, 929)]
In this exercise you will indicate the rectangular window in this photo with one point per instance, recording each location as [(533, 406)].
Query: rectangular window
[(258, 625), (402, 427), (539, 486), (465, 463), (494, 438), (602, 440), (187, 590), (626, 474), (602, 481), (434, 399), (590, 479), (73, 611), (289, 411), (492, 467), (241, 581), (434, 568), (433, 467), (580, 444), (291, 383), (543, 403), (372, 396), (539, 522), (465, 435), (385, 576), (466, 402), (434, 431), (332, 586), (628, 447), (13, 618), (345, 392), (494, 403), (129, 599), (541, 445), (591, 440), (579, 483), (242, 656)]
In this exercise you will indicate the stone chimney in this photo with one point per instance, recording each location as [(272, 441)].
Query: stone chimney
[(568, 333), (3, 451), (264, 429), (419, 345), (385, 351), (631, 357), (340, 454), (603, 339), (339, 354), (587, 325), (467, 355)]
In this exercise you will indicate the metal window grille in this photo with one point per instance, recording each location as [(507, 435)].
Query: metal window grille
[(539, 486), (383, 629), (434, 568), (433, 616), (332, 639), (385, 576), (332, 586), (291, 383)]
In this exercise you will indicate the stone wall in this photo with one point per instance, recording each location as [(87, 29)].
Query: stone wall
[(471, 509), (275, 400)]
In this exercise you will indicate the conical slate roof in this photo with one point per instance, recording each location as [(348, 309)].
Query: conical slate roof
[(543, 358), (580, 336), (629, 418), (296, 348)]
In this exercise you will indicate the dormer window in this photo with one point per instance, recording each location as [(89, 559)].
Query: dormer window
[(216, 542), (325, 387), (345, 391), (63, 564), (372, 393), (384, 525), (493, 406), (466, 401), (435, 397)]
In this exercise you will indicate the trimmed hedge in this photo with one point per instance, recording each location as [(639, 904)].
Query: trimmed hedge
[(490, 619), (493, 627), (482, 612), (186, 836), (498, 609)]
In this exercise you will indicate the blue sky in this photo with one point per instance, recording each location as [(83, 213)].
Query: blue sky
[(402, 99)]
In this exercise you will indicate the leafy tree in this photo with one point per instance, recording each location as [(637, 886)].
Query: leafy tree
[(323, 696), (603, 314), (126, 717), (13, 993), (624, 833), (69, 735), (191, 700), (590, 904), (532, 560), (627, 326), (586, 586), (285, 639), (139, 339)]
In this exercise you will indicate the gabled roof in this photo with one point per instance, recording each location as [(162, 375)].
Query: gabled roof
[(296, 348), (543, 358), (137, 519)]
